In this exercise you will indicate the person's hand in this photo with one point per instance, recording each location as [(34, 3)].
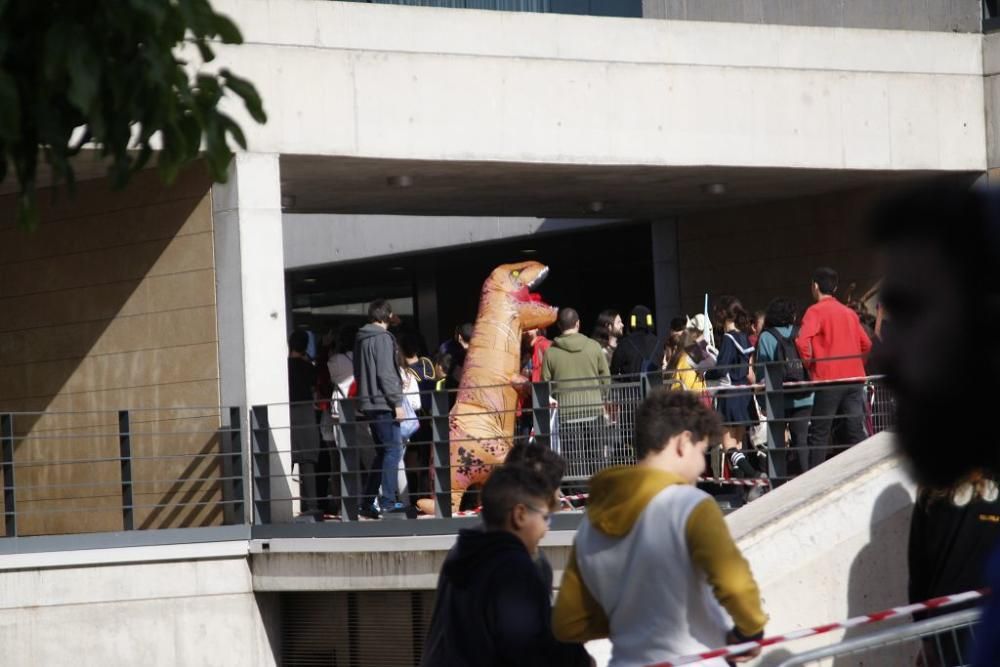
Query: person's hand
[(731, 638), (400, 413)]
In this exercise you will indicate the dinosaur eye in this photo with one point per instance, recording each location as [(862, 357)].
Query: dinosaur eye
[(516, 273)]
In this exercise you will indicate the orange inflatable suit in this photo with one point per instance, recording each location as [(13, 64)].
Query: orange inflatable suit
[(481, 424)]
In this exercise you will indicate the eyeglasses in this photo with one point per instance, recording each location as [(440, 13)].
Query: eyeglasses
[(546, 516)]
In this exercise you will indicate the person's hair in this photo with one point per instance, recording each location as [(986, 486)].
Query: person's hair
[(601, 335), (509, 486), (568, 318), (602, 328), (298, 341), (540, 459), (730, 309), (685, 340), (465, 331), (665, 414), (781, 312), (446, 360), (380, 310), (678, 324), (346, 337), (826, 280), (410, 343)]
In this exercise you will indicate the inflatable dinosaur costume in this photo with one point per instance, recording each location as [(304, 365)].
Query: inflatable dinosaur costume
[(481, 424)]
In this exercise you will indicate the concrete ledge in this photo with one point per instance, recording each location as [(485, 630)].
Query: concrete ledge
[(379, 563)]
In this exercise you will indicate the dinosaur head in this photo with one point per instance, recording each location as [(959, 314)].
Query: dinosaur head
[(519, 281)]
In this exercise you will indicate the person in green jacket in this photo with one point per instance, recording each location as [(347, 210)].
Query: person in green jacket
[(578, 369)]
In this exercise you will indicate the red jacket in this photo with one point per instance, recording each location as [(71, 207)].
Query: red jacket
[(831, 329), (539, 346)]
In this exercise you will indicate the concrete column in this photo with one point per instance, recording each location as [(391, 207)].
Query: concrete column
[(427, 307), (666, 273), (250, 293)]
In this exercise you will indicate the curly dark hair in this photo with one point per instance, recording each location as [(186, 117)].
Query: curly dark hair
[(780, 312), (665, 414)]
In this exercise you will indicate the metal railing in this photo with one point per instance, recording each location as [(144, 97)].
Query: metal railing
[(589, 421), (942, 641), (133, 470)]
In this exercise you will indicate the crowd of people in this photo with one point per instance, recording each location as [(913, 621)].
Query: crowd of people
[(716, 356), (653, 567)]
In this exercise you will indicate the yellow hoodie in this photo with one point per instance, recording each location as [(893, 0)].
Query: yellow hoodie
[(633, 517)]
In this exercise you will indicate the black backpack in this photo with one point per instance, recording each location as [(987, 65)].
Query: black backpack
[(789, 363), (647, 365)]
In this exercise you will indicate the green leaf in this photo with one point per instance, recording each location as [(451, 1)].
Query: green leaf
[(234, 130), (155, 9), (85, 75), (10, 107), (246, 91), (227, 30), (205, 50)]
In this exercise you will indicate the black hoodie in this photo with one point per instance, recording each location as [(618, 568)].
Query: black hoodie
[(493, 609)]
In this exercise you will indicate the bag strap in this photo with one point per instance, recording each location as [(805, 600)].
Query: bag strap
[(743, 350)]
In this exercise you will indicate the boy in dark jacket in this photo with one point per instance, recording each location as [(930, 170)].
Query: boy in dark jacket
[(493, 608)]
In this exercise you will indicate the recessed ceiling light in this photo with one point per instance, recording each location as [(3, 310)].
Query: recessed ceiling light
[(596, 206), (309, 280), (528, 251), (287, 201), (714, 189), (397, 268), (401, 181)]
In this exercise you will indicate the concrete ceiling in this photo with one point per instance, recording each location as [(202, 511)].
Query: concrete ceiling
[(353, 185)]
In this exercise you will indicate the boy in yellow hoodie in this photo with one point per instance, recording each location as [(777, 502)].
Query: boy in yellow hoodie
[(653, 566)]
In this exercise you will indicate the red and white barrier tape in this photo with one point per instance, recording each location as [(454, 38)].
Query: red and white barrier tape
[(867, 619), (861, 379)]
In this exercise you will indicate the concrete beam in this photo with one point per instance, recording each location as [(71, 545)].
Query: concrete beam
[(315, 239), (384, 81)]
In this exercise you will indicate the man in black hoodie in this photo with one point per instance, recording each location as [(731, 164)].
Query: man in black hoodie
[(638, 351), (380, 398), (493, 608)]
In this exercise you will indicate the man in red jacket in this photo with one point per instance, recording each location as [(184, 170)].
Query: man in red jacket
[(832, 345)]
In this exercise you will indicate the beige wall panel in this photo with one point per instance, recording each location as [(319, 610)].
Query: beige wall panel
[(109, 305)]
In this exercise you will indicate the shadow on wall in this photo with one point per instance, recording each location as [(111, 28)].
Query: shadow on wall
[(109, 305), (879, 576)]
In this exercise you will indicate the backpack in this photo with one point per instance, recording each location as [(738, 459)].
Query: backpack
[(788, 355), (647, 365)]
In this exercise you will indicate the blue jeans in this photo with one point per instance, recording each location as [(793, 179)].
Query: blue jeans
[(388, 453)]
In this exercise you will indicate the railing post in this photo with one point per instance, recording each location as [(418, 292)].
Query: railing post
[(541, 413), (441, 453), (234, 468), (349, 451), (261, 468), (7, 462), (774, 406), (648, 382), (125, 459)]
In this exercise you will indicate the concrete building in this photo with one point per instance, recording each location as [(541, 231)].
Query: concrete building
[(649, 151)]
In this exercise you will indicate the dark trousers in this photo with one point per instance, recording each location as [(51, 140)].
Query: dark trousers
[(842, 404), (797, 422)]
